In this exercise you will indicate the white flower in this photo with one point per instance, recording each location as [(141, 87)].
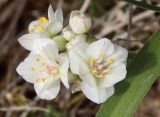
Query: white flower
[(45, 69), (43, 28), (50, 26), (79, 22), (100, 65)]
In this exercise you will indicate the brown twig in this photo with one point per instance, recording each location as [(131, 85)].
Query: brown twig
[(22, 108), (108, 29), (85, 5), (12, 26)]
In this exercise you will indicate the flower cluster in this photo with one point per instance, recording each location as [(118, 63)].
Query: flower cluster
[(72, 56)]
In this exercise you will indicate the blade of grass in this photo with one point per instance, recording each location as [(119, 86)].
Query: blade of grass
[(142, 72), (144, 5)]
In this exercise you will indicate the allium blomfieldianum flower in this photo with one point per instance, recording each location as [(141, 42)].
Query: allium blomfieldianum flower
[(45, 68), (43, 28), (99, 65)]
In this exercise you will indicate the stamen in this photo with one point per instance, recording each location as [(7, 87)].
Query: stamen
[(110, 61), (94, 70), (40, 79), (91, 61), (51, 70), (100, 66), (33, 69), (43, 20), (101, 57), (101, 75), (40, 28), (43, 63), (37, 59), (106, 70)]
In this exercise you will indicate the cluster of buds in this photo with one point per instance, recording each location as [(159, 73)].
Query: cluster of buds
[(72, 56)]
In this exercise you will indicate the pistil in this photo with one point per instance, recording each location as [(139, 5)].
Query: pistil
[(100, 66)]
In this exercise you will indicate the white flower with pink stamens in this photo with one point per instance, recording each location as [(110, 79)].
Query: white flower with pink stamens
[(100, 65), (45, 68)]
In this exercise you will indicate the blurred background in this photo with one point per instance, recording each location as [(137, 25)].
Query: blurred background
[(125, 24)]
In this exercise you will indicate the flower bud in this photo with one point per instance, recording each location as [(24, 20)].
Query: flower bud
[(79, 22), (68, 34)]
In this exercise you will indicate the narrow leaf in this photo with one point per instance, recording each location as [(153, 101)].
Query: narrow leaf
[(142, 72), (144, 5)]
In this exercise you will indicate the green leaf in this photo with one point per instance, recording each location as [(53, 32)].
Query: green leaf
[(144, 5), (130, 57), (142, 72)]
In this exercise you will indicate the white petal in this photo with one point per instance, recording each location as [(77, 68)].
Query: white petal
[(76, 55), (51, 16), (97, 94), (45, 47), (101, 47), (120, 54), (75, 13), (32, 25), (86, 75), (54, 28), (64, 66), (117, 73), (59, 15), (47, 90), (29, 68), (27, 40)]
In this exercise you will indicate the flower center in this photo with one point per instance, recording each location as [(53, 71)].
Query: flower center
[(40, 25), (100, 66), (51, 70)]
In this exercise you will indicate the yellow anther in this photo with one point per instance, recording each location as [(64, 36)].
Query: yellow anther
[(40, 28), (43, 20), (102, 56), (40, 79), (101, 75), (108, 68), (94, 70), (91, 61), (31, 30), (110, 61), (43, 63), (37, 59), (33, 69)]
